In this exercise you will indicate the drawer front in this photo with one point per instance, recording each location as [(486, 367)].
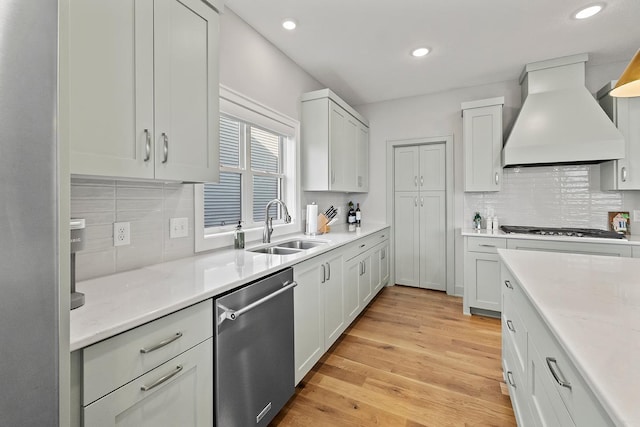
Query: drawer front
[(570, 247), (516, 384), (514, 331), (360, 246), (489, 245), (176, 393), (114, 362)]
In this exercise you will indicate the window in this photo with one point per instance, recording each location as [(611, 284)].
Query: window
[(257, 164), (251, 174)]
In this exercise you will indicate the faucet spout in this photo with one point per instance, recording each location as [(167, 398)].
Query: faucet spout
[(268, 221)]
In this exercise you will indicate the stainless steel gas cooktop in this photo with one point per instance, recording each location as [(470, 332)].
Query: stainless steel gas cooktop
[(570, 232)]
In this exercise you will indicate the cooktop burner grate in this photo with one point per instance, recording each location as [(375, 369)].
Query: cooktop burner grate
[(570, 232)]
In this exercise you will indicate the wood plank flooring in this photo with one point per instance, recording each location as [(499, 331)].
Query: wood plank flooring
[(411, 359)]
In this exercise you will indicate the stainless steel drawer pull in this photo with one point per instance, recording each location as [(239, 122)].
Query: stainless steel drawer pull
[(624, 174), (510, 326), (487, 246), (324, 273), (421, 180), (512, 383), (147, 145), (165, 147), (415, 181), (497, 178), (161, 344), (551, 362), (159, 381), (229, 314), (328, 271), (362, 245), (508, 284)]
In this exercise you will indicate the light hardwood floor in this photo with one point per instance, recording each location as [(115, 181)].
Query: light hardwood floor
[(411, 359)]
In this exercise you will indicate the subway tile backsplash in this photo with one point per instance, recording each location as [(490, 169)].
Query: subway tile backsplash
[(148, 206), (553, 196)]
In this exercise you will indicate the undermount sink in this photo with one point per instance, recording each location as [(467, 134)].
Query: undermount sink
[(288, 248), (300, 244), (275, 250)]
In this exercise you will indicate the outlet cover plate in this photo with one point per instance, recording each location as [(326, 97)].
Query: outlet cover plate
[(178, 227), (636, 216), (121, 233)]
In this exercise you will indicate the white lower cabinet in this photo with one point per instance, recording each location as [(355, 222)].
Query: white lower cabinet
[(318, 303), (482, 274), (545, 387), (158, 374), (176, 393), (332, 291)]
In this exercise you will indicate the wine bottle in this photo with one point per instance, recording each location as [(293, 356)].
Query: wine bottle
[(358, 216)]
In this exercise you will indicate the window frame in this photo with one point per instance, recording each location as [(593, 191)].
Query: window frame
[(239, 107)]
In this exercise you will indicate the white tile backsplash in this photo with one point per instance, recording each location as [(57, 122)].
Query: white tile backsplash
[(552, 196)]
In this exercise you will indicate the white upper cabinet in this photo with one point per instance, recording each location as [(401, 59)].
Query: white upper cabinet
[(622, 174), (334, 146), (142, 79), (482, 144)]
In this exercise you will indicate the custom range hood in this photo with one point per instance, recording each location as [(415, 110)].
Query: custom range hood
[(560, 121)]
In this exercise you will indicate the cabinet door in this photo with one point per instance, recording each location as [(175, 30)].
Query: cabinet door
[(184, 398), (482, 143), (384, 264), (351, 300), (432, 164), (343, 133), (432, 237), (364, 280), (482, 280), (407, 238), (406, 166), (362, 158), (110, 81), (308, 313), (186, 91), (376, 269), (628, 122), (334, 313)]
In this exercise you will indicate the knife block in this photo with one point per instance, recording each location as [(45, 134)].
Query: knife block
[(323, 228)]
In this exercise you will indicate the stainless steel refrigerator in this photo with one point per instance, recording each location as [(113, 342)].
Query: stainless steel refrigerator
[(29, 242)]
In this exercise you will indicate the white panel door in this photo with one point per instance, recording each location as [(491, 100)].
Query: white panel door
[(406, 165), (407, 238), (333, 292), (384, 264), (432, 240), (183, 399), (337, 136), (482, 142), (628, 122), (308, 314), (349, 151), (362, 158), (351, 300), (186, 91), (432, 167), (110, 79), (364, 280)]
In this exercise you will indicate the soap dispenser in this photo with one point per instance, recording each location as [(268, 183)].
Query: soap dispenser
[(238, 237)]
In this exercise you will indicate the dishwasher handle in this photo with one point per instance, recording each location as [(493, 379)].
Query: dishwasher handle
[(227, 313)]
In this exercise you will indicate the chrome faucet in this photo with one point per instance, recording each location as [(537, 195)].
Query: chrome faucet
[(268, 221)]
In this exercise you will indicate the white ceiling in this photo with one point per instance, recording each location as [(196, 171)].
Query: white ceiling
[(360, 48)]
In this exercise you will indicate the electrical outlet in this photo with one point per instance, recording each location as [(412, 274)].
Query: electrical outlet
[(339, 212), (178, 227), (636, 216), (121, 233)]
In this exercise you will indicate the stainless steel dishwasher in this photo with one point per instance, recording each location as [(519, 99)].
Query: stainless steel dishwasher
[(254, 367)]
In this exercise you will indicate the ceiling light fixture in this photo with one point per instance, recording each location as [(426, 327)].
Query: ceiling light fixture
[(629, 82), (289, 24), (420, 52), (589, 11)]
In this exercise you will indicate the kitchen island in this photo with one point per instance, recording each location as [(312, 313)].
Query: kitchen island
[(584, 309)]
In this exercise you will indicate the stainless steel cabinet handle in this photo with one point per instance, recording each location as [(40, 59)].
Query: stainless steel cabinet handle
[(159, 381), (227, 313), (324, 274), (415, 181), (364, 267), (147, 145), (384, 254), (497, 178), (508, 284), (421, 180), (421, 201), (328, 271), (487, 246), (512, 383), (415, 202), (551, 362), (333, 177), (161, 344), (165, 147), (623, 174), (362, 245), (510, 326), (382, 236)]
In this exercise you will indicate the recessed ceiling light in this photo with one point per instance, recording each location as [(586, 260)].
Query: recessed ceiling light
[(588, 12), (419, 52), (289, 24)]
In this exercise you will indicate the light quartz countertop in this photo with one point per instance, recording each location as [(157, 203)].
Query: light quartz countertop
[(631, 240), (592, 305), (119, 302)]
